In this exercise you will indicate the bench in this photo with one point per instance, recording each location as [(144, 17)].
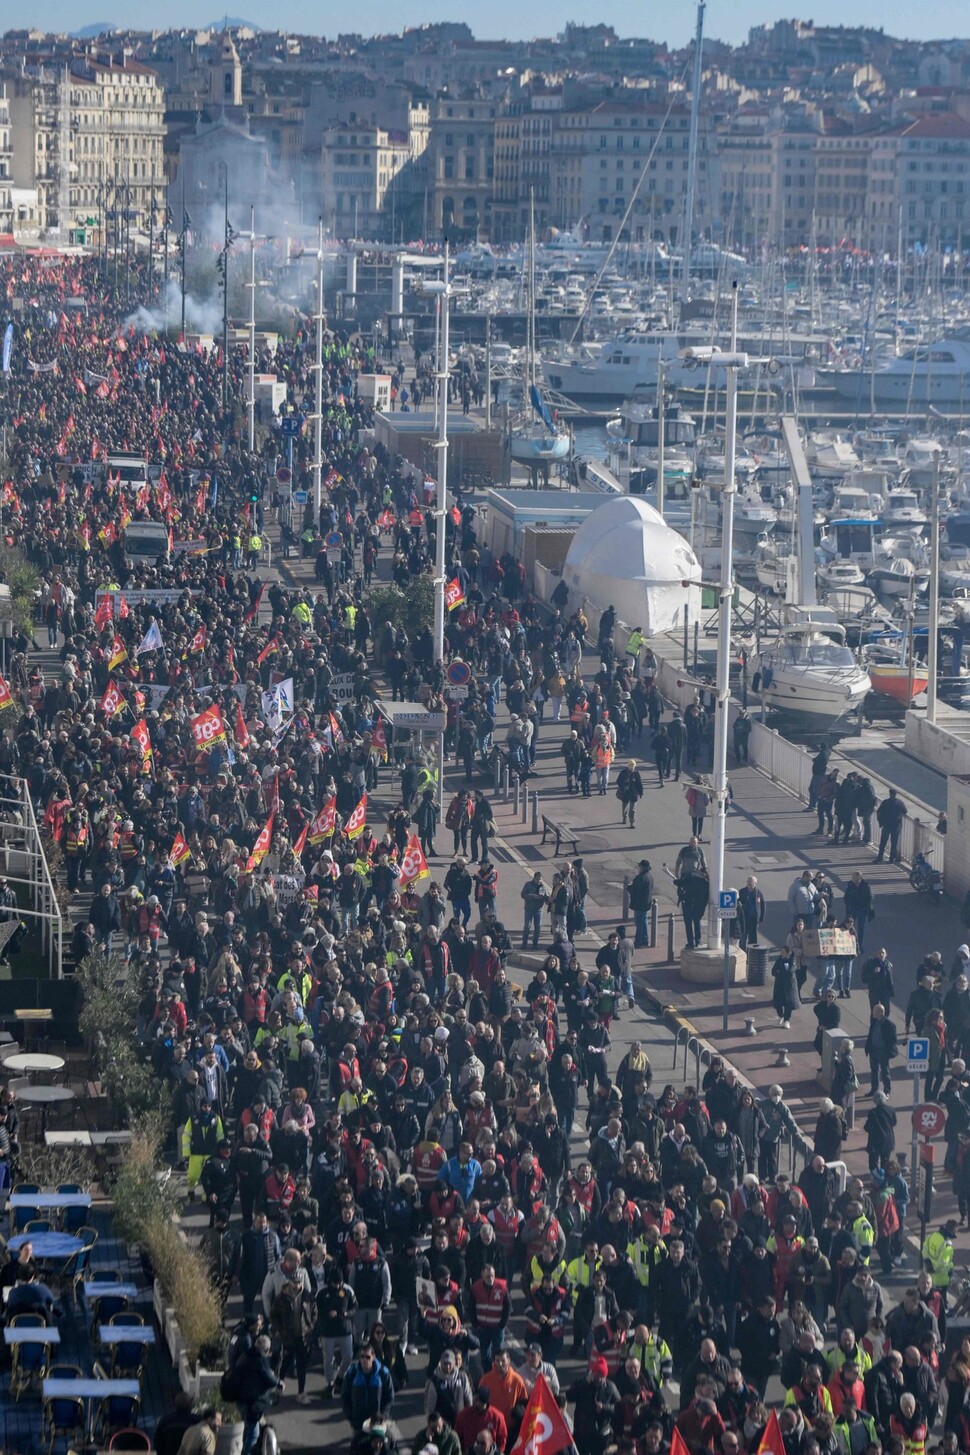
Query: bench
[(560, 831)]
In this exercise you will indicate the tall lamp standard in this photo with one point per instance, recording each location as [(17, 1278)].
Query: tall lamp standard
[(732, 361), (222, 266), (444, 290)]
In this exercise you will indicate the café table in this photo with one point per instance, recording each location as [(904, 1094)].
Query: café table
[(45, 1097), (48, 1247), (45, 1335), (126, 1334), (28, 1063)]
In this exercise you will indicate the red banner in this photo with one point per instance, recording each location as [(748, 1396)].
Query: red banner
[(180, 851), (414, 865), (6, 700), (208, 728), (142, 740), (378, 740), (454, 596), (358, 818), (324, 823), (242, 732), (112, 702), (117, 654), (543, 1430), (261, 846)]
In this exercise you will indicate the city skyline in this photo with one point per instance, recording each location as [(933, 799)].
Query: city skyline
[(932, 20)]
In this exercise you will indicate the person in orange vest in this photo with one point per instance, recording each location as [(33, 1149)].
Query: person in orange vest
[(491, 1308), (602, 761)]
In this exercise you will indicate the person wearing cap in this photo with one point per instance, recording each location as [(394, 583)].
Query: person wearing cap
[(596, 1400), (937, 1254), (534, 1366), (481, 1429)]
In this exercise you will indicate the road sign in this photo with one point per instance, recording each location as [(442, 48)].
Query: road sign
[(284, 475), (455, 693), (458, 673), (727, 904), (917, 1055), (300, 497), (334, 540), (291, 424), (929, 1119)]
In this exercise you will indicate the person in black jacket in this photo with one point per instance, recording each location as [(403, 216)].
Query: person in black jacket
[(676, 1288), (882, 1045), (253, 1385), (641, 897), (596, 1400), (889, 817), (880, 1132)]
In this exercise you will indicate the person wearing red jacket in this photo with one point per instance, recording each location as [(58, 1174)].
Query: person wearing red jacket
[(846, 1384), (491, 1309)]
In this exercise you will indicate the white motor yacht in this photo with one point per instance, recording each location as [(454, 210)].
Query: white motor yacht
[(937, 373), (809, 674), (901, 508), (839, 573)]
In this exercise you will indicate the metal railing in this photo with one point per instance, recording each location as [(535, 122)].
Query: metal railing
[(26, 865)]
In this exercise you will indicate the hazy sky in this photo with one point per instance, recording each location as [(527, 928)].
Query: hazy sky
[(727, 19)]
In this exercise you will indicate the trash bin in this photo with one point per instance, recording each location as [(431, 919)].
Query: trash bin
[(757, 965)]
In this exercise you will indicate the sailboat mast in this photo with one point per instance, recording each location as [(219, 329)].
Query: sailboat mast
[(695, 111)]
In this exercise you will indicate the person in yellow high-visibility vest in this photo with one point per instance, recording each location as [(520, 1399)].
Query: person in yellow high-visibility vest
[(302, 613), (255, 546), (937, 1253)]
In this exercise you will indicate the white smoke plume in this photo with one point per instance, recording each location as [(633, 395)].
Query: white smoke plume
[(201, 315)]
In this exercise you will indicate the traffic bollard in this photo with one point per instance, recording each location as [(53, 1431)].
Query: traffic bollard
[(654, 917), (670, 939), (626, 900), (525, 802), (505, 782), (535, 812), (518, 789)]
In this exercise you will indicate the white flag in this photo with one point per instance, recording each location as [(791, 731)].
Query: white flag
[(285, 690), (272, 710), (151, 641)]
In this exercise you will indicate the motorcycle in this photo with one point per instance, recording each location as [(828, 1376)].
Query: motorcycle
[(925, 879)]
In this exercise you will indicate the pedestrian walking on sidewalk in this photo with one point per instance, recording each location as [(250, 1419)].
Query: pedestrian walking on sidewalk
[(751, 913), (661, 753), (882, 1047), (641, 898), (629, 790), (859, 905), (784, 996), (697, 802)]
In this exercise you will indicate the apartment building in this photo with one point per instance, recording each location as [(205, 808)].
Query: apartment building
[(461, 164), (6, 166), (372, 179), (622, 165), (919, 188), (87, 139)]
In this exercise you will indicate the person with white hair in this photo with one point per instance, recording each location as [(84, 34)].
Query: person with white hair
[(830, 1130)]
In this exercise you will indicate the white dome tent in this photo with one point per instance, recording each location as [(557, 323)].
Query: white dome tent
[(625, 555)]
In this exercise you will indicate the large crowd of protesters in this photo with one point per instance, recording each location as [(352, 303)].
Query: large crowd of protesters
[(422, 1165)]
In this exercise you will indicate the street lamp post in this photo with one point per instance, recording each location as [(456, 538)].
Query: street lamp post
[(318, 388), (732, 362), (932, 640)]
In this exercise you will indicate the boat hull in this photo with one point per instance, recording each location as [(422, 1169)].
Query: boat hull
[(814, 701), (545, 448), (894, 682)]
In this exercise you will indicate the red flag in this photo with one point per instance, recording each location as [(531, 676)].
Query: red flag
[(141, 738), (300, 844), (271, 646), (208, 728), (200, 499), (261, 846), (771, 1442), (242, 732), (180, 851), (197, 643), (355, 824), (378, 740), (454, 596), (104, 613), (123, 610), (324, 823), (414, 865), (273, 794), (112, 702), (335, 732), (6, 700), (117, 654), (544, 1430), (253, 611)]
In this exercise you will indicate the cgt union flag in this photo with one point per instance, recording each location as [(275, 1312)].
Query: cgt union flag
[(357, 819), (414, 865), (454, 596), (112, 702), (261, 846), (324, 823), (208, 728), (544, 1430)]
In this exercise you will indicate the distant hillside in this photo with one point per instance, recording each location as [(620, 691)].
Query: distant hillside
[(88, 32)]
